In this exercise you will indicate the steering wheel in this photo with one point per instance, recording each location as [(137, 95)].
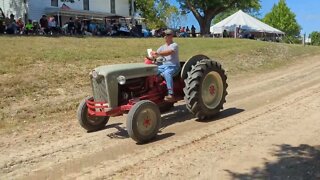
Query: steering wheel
[(160, 59)]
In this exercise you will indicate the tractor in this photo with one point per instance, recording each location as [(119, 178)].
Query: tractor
[(137, 90)]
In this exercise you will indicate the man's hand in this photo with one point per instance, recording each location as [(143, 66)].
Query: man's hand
[(154, 54)]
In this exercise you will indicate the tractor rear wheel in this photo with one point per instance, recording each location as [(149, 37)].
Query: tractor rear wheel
[(205, 89), (143, 121), (90, 123)]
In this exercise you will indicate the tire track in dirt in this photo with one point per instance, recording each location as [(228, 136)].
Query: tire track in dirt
[(191, 160), (71, 157)]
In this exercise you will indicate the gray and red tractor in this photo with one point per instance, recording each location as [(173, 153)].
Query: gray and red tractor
[(137, 90)]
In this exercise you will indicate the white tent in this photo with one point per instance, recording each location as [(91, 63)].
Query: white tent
[(246, 22)]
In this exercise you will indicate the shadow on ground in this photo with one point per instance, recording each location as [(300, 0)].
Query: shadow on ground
[(301, 162), (223, 114), (177, 114)]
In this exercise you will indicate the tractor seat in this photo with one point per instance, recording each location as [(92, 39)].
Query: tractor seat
[(177, 73)]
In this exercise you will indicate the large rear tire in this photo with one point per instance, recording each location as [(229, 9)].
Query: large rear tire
[(143, 121), (90, 123), (205, 89)]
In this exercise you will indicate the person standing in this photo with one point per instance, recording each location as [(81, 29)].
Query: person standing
[(188, 31), (193, 31), (170, 52)]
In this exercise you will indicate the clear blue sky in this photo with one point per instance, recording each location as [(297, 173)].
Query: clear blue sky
[(307, 13)]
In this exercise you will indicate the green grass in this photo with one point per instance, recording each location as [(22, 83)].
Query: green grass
[(41, 77)]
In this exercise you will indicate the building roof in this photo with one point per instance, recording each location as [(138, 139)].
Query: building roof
[(79, 13), (247, 23)]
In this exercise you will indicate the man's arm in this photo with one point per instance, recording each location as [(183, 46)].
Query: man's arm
[(164, 53)]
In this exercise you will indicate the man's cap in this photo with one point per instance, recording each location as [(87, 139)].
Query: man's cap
[(168, 32)]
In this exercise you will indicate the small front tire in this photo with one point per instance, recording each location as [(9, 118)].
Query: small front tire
[(88, 122), (143, 121)]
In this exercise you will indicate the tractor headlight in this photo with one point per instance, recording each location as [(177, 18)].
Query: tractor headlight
[(121, 80), (95, 74)]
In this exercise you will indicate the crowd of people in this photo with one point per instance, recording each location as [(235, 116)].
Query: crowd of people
[(185, 31), (48, 25), (74, 26)]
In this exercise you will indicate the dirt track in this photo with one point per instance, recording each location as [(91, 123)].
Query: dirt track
[(270, 128)]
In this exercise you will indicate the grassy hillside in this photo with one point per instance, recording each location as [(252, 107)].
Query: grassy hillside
[(43, 78)]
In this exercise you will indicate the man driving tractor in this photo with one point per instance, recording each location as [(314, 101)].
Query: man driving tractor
[(170, 52)]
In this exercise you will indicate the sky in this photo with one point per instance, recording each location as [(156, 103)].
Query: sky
[(307, 13)]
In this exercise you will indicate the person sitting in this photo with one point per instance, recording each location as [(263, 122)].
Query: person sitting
[(11, 25), (52, 24), (20, 25), (29, 27), (170, 52), (71, 26), (44, 24)]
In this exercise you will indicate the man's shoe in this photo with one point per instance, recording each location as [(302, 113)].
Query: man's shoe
[(170, 98)]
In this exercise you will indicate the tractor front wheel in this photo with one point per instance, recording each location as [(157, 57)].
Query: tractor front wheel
[(90, 123), (143, 121)]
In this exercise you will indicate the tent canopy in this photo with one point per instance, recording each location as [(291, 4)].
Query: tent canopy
[(247, 23)]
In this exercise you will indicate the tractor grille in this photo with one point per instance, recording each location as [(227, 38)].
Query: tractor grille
[(99, 89)]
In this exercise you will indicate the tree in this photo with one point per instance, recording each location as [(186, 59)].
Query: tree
[(175, 17), (148, 10), (205, 11), (155, 12), (283, 19), (315, 38)]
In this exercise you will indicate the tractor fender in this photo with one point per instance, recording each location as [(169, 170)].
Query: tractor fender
[(188, 64)]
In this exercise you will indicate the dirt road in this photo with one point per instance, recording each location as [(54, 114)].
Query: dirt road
[(270, 128)]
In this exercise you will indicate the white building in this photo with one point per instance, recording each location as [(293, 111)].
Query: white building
[(34, 9)]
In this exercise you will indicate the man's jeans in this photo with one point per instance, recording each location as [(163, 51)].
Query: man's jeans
[(167, 71)]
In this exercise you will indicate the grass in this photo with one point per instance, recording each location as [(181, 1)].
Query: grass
[(43, 77)]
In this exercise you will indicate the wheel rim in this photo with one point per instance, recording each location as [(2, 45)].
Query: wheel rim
[(212, 90), (146, 121)]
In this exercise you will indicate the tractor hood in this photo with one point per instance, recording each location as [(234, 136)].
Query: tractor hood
[(129, 71), (105, 81)]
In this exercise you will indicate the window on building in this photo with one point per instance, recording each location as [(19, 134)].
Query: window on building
[(86, 5), (54, 3), (113, 6)]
